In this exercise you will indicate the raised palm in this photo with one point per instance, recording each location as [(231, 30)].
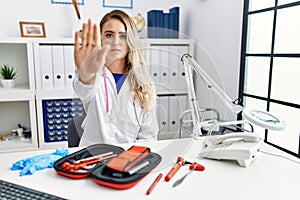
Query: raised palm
[(89, 54)]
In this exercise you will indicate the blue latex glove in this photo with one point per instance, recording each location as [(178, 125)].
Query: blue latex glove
[(30, 165)]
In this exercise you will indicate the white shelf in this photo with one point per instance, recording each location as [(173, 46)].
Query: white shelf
[(56, 94), (17, 96), (56, 41), (175, 91), (19, 110), (17, 144), (17, 104), (20, 40), (168, 41), (15, 40), (19, 92), (18, 86)]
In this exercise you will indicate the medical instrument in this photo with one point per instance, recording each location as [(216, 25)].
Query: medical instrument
[(152, 186), (132, 171), (175, 168), (138, 167), (255, 117), (72, 161), (194, 166), (74, 167), (180, 162)]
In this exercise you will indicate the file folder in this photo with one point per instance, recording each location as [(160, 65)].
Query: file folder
[(174, 115), (164, 67), (69, 65), (174, 69), (182, 99), (163, 114), (154, 64), (58, 66), (182, 49), (46, 67)]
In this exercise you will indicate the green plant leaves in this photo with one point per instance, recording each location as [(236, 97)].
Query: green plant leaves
[(8, 72)]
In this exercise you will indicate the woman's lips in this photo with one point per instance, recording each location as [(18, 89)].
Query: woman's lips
[(116, 50)]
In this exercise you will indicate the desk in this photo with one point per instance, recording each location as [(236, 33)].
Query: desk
[(268, 177)]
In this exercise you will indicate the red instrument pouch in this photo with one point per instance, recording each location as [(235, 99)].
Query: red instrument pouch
[(121, 170), (128, 159), (127, 169), (66, 166)]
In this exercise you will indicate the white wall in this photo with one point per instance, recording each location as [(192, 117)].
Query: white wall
[(215, 25), (59, 19)]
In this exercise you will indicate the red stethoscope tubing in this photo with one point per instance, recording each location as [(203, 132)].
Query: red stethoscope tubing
[(106, 95)]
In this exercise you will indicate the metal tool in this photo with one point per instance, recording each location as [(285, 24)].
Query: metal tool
[(194, 166), (73, 161), (175, 168), (180, 162), (86, 162)]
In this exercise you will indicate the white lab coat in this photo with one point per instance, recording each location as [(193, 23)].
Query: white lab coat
[(125, 122)]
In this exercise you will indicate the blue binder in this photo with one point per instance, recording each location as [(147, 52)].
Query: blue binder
[(166, 25), (172, 31), (163, 25), (160, 23), (151, 23), (175, 27)]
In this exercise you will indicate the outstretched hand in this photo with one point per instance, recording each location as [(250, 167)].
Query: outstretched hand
[(89, 55)]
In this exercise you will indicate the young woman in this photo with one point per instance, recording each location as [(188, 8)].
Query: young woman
[(113, 84)]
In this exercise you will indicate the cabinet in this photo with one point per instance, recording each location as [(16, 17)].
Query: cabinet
[(56, 101), (163, 58), (44, 101), (17, 105)]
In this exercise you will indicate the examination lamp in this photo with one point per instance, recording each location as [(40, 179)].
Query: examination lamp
[(263, 119)]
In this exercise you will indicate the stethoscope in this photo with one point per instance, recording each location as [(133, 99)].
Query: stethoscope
[(107, 116)]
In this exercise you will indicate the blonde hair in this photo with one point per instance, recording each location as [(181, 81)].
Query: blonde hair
[(139, 78)]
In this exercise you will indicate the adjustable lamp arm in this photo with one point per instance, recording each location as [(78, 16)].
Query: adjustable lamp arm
[(261, 118), (188, 61)]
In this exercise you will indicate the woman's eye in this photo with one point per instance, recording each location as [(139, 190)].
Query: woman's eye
[(123, 36), (109, 35)]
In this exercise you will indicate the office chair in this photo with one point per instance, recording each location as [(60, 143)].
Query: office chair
[(75, 130)]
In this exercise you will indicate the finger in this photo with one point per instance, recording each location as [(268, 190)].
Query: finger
[(76, 41), (76, 48), (97, 36), (84, 35), (103, 53), (90, 34)]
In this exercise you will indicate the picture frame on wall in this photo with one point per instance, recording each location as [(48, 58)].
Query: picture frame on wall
[(67, 2), (32, 29), (127, 4)]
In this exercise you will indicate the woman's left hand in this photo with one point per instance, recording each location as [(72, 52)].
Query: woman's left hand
[(89, 55)]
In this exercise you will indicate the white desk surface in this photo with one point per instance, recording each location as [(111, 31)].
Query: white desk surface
[(268, 177)]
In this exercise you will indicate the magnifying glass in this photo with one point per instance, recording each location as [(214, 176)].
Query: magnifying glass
[(264, 119)]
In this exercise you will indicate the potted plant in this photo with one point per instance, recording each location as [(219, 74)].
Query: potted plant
[(8, 75)]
